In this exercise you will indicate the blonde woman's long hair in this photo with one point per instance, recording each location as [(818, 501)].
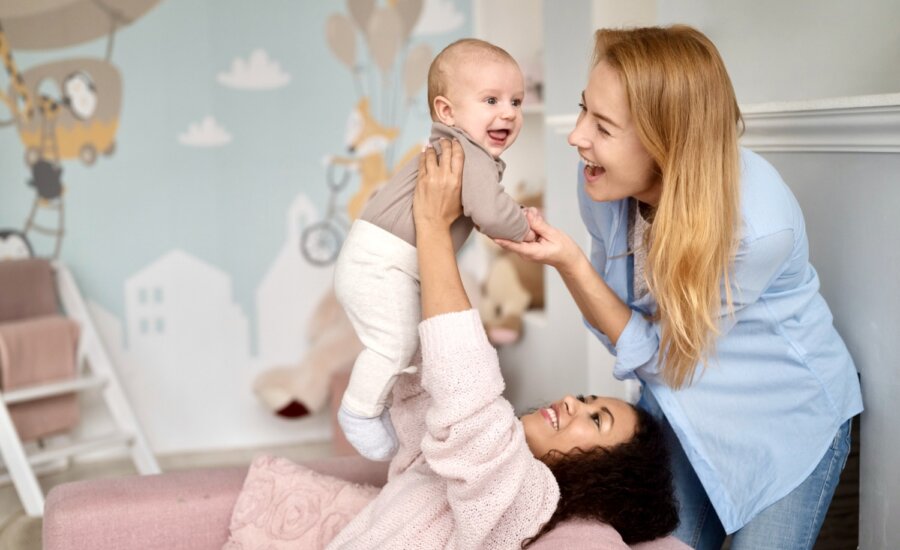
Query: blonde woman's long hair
[(688, 119)]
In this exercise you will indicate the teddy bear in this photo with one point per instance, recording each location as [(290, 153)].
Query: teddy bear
[(295, 391), (512, 286), (298, 390)]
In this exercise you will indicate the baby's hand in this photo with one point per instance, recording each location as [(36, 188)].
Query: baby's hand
[(530, 213)]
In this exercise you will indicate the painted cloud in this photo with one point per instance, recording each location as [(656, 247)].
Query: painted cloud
[(438, 17), (257, 73), (207, 133)]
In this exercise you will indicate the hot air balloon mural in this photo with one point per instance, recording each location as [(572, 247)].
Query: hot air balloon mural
[(66, 109)]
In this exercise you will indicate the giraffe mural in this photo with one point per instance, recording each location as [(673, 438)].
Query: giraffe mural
[(66, 109)]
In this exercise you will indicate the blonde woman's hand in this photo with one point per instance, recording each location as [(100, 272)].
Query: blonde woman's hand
[(551, 246), (437, 201)]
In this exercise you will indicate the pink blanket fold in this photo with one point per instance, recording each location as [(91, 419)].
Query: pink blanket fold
[(27, 289), (39, 351)]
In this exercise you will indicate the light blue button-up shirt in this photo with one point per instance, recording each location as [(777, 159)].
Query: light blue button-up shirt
[(756, 422)]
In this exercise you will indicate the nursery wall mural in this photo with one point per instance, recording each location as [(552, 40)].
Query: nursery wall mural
[(66, 109), (388, 67), (242, 141)]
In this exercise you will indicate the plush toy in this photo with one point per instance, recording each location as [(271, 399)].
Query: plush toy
[(298, 390), (512, 286)]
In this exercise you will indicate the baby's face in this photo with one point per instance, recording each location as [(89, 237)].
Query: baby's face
[(487, 103)]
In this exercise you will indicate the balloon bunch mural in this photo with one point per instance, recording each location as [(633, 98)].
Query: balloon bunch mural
[(388, 73), (66, 109)]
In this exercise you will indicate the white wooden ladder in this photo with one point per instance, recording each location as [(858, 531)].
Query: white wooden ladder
[(96, 372)]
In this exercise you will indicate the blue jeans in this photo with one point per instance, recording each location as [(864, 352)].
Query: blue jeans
[(791, 523)]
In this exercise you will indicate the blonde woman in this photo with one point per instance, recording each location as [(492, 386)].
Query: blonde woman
[(699, 282)]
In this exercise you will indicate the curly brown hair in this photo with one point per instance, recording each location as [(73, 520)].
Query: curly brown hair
[(628, 487)]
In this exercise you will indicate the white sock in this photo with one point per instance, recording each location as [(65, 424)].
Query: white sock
[(374, 437)]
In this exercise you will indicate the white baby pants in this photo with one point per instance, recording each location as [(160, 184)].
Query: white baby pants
[(376, 279)]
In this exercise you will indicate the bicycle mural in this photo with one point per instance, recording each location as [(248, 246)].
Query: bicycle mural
[(388, 73)]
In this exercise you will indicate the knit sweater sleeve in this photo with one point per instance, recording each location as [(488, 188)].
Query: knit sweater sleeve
[(497, 490)]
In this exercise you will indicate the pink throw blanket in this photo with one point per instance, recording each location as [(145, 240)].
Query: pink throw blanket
[(27, 289), (37, 351)]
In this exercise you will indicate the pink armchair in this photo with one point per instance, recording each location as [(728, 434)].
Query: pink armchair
[(191, 510)]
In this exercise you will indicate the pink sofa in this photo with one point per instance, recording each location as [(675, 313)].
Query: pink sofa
[(191, 510)]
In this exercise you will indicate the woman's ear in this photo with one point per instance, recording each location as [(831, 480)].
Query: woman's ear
[(444, 110)]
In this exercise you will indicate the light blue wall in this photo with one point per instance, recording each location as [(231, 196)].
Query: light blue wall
[(225, 205)]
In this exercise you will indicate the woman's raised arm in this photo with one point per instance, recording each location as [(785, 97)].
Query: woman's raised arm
[(436, 205)]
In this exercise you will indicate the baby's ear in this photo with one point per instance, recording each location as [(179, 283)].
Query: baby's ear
[(444, 110)]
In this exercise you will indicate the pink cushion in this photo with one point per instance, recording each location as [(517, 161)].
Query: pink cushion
[(589, 535), (192, 510), (285, 506), (665, 543), (187, 510), (581, 535)]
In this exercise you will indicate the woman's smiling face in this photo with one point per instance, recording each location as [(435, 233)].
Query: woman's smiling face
[(616, 163), (582, 422)]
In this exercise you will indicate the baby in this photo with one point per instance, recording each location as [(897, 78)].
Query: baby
[(475, 92)]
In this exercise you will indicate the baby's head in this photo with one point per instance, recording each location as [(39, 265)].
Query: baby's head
[(478, 88), (611, 463)]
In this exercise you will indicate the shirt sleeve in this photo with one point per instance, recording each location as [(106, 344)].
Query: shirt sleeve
[(492, 210), (756, 265), (473, 439)]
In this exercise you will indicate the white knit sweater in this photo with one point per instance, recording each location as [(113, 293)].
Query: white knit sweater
[(464, 476)]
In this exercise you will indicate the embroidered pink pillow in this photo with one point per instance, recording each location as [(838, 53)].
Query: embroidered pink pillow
[(286, 506)]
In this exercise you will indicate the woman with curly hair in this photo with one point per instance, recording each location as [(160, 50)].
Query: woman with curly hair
[(699, 282), (626, 486), (468, 473)]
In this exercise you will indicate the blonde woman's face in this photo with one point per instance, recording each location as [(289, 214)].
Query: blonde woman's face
[(583, 422), (616, 163)]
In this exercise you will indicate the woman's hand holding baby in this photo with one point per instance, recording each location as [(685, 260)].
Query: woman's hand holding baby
[(436, 205), (598, 303), (550, 245), (438, 199)]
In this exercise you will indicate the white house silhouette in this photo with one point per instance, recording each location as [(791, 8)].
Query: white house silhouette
[(189, 343), (289, 292), (188, 304), (186, 366)]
